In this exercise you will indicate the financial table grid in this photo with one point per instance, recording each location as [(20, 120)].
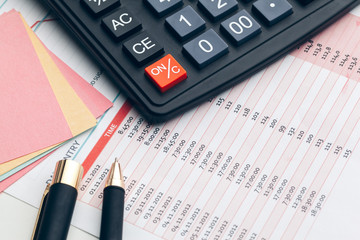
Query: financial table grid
[(258, 161)]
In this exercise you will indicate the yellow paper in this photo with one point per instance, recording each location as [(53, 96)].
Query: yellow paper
[(75, 111), (7, 166)]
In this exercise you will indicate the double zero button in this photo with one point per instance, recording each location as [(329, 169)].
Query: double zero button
[(240, 27)]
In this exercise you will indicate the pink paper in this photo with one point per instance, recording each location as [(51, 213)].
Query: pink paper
[(30, 116), (92, 98)]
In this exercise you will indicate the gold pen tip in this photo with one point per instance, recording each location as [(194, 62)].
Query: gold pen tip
[(115, 177)]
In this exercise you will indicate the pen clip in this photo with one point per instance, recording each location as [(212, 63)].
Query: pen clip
[(40, 212)]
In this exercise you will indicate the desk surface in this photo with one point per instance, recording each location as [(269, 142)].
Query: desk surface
[(20, 219)]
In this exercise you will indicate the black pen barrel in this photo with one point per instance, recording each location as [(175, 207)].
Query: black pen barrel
[(112, 213), (57, 213)]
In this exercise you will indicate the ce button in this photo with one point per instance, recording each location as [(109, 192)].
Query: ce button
[(143, 47)]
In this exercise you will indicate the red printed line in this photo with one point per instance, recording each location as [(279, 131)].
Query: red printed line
[(109, 152), (105, 138), (39, 21)]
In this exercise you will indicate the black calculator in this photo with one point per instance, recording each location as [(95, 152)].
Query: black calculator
[(168, 56)]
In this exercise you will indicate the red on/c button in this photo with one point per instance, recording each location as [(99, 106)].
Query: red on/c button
[(166, 73)]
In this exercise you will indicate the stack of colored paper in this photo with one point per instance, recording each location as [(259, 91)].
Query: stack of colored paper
[(43, 103)]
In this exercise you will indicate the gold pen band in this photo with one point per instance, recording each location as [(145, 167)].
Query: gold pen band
[(68, 172)]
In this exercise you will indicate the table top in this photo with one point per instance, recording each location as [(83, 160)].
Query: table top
[(17, 220)]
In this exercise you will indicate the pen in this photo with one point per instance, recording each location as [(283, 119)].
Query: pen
[(58, 202), (113, 205)]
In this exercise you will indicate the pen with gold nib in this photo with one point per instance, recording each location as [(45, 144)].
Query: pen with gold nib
[(113, 205), (58, 202)]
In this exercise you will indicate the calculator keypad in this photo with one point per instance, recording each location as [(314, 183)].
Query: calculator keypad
[(217, 42), (186, 23)]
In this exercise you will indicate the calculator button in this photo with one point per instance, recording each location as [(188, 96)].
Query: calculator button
[(218, 9), (185, 23), (163, 7), (272, 10), (142, 48), (99, 7), (206, 48), (166, 73), (240, 27), (121, 23)]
